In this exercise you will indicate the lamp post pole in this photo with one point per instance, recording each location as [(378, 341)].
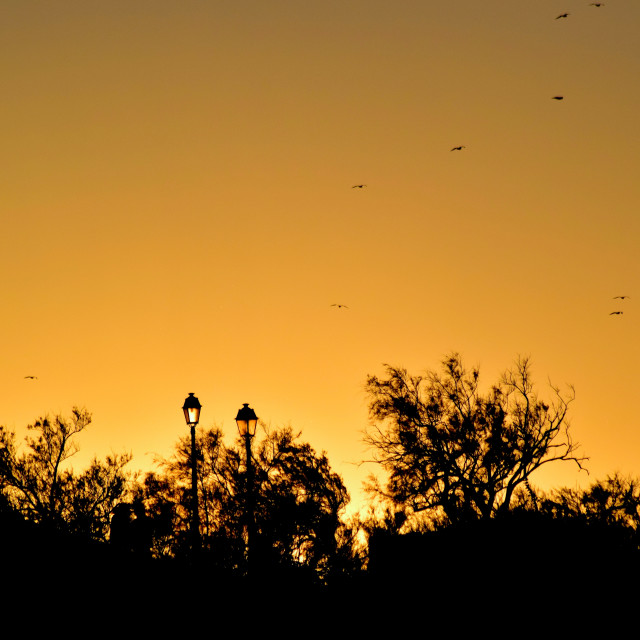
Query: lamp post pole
[(191, 410), (247, 421)]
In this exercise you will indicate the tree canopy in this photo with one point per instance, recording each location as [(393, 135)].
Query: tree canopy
[(612, 502), (461, 454), (39, 485), (296, 501)]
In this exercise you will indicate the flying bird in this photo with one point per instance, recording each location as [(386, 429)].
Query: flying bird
[(460, 148), (558, 98), (597, 4), (340, 306), (563, 15), (620, 297), (359, 186), (31, 377), (616, 313)]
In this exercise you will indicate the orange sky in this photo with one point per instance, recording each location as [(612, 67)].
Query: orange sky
[(177, 211)]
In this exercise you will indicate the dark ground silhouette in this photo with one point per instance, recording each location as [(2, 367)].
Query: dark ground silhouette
[(513, 569)]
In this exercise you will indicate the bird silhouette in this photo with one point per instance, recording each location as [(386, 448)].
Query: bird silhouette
[(340, 306), (597, 4), (563, 15), (616, 313), (359, 186), (460, 148), (31, 377), (558, 98), (620, 297)]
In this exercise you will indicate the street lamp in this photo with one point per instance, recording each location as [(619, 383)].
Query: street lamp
[(247, 421), (191, 410)]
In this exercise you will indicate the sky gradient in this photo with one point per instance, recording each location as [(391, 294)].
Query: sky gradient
[(178, 213)]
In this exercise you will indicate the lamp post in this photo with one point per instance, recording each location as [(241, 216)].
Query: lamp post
[(191, 410), (247, 422)]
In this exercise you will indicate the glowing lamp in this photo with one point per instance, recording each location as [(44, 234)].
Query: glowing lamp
[(247, 421), (191, 410)]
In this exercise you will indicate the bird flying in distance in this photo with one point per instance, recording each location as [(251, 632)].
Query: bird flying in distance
[(563, 15), (359, 186), (31, 377), (597, 4), (460, 148), (620, 297), (340, 306), (558, 98), (616, 313)]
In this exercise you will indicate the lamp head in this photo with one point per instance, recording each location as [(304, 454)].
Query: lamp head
[(191, 410), (247, 420)]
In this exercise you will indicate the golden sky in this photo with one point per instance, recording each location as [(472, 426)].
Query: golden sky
[(178, 213)]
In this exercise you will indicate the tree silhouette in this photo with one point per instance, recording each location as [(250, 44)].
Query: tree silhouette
[(455, 452), (44, 490), (297, 503), (612, 502)]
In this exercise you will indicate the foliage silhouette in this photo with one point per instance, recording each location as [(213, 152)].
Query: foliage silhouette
[(297, 505), (39, 485), (612, 504), (457, 453)]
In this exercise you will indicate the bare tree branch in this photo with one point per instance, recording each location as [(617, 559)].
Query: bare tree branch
[(446, 446)]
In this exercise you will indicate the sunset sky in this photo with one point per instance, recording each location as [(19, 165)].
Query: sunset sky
[(178, 213)]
